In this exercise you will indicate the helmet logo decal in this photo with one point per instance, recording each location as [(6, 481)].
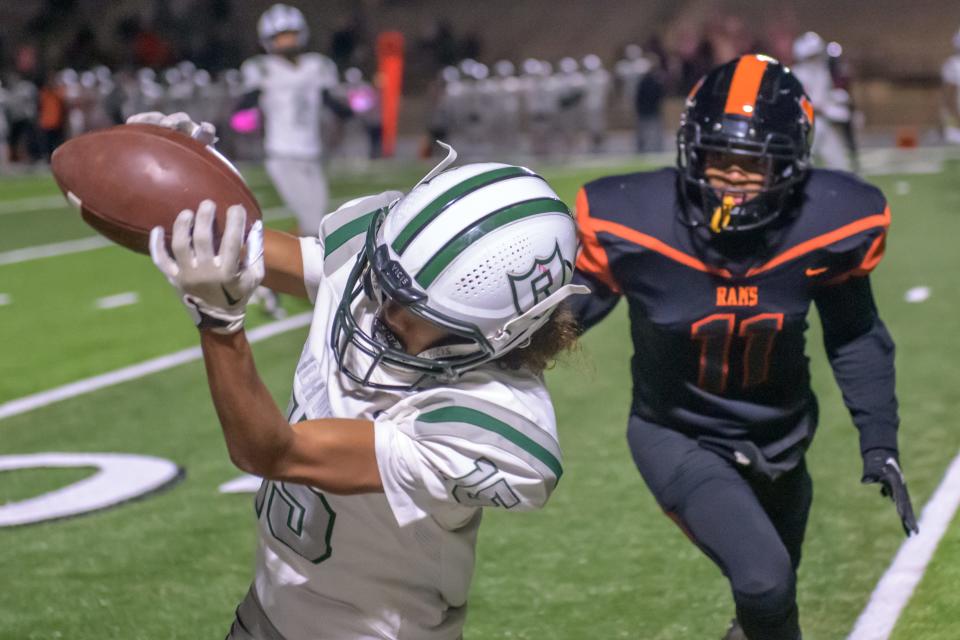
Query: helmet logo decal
[(540, 279)]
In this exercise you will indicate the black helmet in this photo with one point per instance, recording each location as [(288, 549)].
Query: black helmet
[(751, 106)]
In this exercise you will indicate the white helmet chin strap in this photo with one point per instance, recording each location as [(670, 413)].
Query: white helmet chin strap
[(523, 326)]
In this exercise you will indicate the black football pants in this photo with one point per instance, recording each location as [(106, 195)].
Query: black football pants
[(750, 526)]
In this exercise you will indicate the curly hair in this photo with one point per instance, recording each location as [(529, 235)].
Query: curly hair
[(558, 336)]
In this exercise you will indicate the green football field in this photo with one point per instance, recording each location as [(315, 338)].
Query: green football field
[(600, 561)]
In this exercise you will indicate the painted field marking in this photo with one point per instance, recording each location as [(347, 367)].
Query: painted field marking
[(53, 249), (5, 299), (893, 591), (26, 205), (117, 300), (90, 243), (139, 370), (917, 294)]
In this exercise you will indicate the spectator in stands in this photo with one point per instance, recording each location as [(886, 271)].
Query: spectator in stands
[(52, 115), (648, 104), (22, 113)]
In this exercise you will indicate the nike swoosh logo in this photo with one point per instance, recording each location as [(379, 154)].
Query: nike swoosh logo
[(230, 299), (815, 271)]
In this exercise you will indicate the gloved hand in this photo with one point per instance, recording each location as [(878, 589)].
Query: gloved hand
[(214, 287), (881, 465), (180, 121)]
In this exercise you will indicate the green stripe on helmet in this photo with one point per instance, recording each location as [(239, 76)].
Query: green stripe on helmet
[(442, 258), (350, 230), (484, 421), (448, 197)]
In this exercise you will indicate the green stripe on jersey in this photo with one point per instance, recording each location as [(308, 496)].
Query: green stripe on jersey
[(442, 258), (484, 421), (448, 197), (343, 235)]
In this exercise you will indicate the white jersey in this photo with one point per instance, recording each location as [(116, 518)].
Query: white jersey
[(396, 564), (829, 103), (291, 99)]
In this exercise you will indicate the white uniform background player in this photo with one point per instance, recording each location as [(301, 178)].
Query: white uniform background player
[(950, 109), (291, 88), (831, 105)]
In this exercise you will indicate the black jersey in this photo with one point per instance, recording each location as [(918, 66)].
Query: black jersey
[(718, 332)]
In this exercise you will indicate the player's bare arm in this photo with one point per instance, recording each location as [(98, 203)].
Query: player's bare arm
[(332, 454), (283, 263)]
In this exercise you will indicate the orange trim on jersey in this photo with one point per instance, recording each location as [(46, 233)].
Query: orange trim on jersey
[(767, 345), (659, 246), (874, 254), (745, 85), (593, 257), (872, 258), (877, 220)]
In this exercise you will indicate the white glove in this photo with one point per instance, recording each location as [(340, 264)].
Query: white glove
[(180, 121), (215, 288)]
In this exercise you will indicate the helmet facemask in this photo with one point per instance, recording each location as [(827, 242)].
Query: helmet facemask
[(734, 210), (372, 355), (751, 107)]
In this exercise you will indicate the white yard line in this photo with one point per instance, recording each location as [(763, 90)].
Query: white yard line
[(148, 367), (36, 203), (877, 620), (117, 300), (56, 249)]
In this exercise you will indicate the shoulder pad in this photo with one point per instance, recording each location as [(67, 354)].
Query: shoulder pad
[(344, 231), (492, 419)]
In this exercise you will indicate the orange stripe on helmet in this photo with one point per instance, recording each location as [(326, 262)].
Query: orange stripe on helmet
[(742, 95), (807, 108)]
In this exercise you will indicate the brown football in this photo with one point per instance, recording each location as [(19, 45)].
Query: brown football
[(131, 178)]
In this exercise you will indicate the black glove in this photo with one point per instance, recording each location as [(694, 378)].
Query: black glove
[(881, 465)]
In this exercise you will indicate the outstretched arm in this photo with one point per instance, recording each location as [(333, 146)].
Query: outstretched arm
[(333, 454), (283, 263)]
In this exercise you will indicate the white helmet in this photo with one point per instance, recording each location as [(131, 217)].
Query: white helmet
[(809, 45), (485, 251), (278, 19)]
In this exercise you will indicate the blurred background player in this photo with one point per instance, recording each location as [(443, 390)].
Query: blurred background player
[(290, 87), (950, 107), (842, 75), (811, 65), (597, 95), (719, 260)]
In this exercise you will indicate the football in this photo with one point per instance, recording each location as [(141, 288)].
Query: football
[(131, 178)]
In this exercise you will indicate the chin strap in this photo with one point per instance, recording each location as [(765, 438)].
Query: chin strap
[(524, 326), (721, 215)]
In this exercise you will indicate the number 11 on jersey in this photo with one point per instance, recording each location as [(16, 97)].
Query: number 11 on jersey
[(716, 332)]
